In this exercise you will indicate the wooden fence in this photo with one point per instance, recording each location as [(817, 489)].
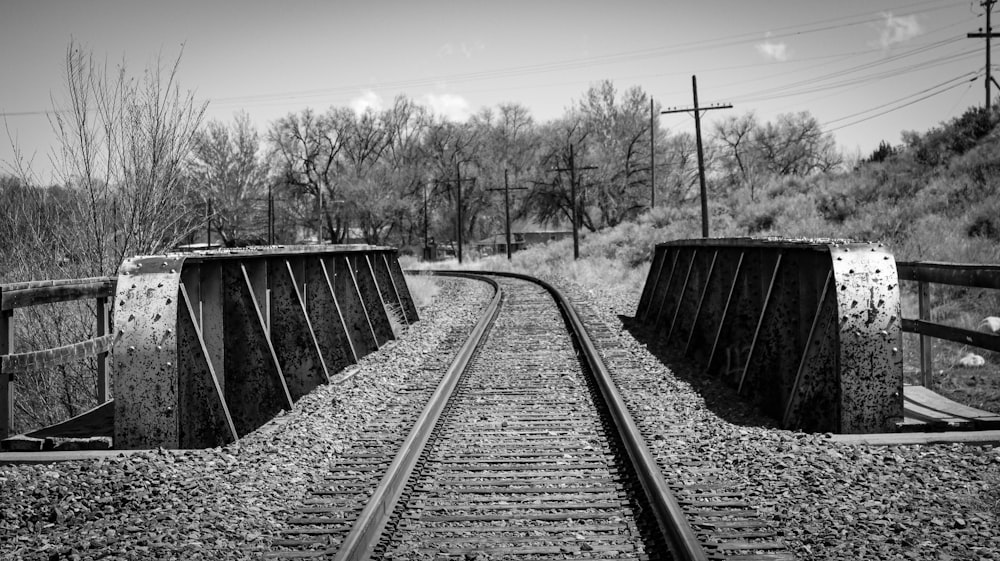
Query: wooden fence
[(925, 274), (27, 294)]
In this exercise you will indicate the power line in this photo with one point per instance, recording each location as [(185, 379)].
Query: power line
[(886, 112), (569, 64), (962, 79)]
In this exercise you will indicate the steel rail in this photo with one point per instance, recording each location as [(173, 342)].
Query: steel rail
[(673, 524), (364, 535)]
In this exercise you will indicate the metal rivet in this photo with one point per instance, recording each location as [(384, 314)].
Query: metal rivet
[(895, 350), (169, 364), (173, 270)]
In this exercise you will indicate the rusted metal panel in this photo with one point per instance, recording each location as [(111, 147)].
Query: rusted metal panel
[(713, 306), (691, 299), (814, 403), (391, 258), (753, 312), (386, 287), (661, 283), (739, 322), (676, 286), (327, 321), (145, 378), (871, 338), (202, 413), (353, 309), (292, 334), (659, 258), (255, 386), (374, 306)]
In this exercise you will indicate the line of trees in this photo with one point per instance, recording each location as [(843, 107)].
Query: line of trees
[(140, 170)]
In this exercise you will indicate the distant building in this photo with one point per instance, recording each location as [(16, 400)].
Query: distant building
[(521, 236)]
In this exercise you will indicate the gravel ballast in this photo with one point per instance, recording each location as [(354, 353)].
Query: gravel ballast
[(829, 500), (221, 503)]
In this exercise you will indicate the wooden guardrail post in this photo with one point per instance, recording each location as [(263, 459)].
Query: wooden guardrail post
[(103, 327), (926, 351), (6, 391)]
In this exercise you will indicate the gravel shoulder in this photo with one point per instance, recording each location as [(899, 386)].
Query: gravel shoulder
[(220, 503), (829, 500)]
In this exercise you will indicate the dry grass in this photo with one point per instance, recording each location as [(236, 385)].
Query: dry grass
[(423, 289)]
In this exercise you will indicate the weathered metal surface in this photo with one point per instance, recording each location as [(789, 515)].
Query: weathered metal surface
[(255, 386), (402, 290), (655, 269), (214, 344), (292, 333), (808, 329), (871, 338), (386, 286), (660, 282), (327, 322), (353, 309), (144, 358), (372, 298), (203, 418)]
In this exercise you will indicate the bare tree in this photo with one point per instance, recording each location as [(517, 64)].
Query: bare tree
[(228, 170), (305, 150), (123, 143)]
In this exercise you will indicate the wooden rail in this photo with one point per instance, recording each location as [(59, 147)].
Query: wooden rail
[(926, 273), (34, 293)]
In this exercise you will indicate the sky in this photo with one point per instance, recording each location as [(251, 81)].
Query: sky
[(867, 70)]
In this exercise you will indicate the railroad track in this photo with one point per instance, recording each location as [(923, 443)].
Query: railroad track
[(524, 450)]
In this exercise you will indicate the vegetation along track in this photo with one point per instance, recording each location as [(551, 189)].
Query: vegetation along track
[(524, 451)]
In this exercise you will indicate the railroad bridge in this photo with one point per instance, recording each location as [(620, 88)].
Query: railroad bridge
[(204, 348)]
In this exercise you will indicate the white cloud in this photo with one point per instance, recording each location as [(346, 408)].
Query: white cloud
[(894, 29), (367, 100), (773, 51), (452, 107), (466, 50)]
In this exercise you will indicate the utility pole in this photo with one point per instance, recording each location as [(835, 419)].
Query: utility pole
[(270, 215), (506, 205), (458, 214), (652, 157), (208, 229), (426, 240), (572, 189), (701, 154), (987, 34), (319, 217)]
